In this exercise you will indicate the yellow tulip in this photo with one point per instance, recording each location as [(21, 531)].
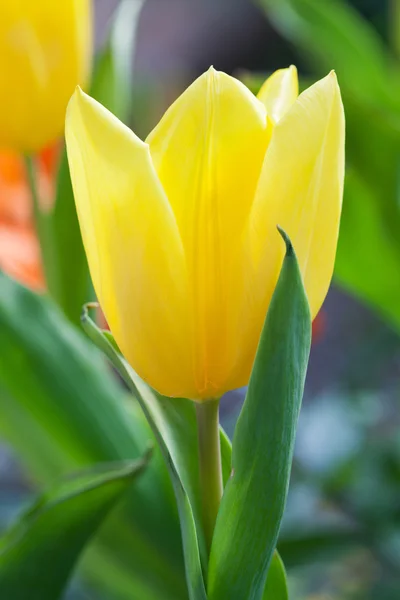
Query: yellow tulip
[(180, 230), (45, 51)]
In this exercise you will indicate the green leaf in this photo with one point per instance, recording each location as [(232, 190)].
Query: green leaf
[(369, 243), (226, 456), (276, 585), (253, 503), (112, 75), (334, 36), (62, 409), (71, 284), (173, 422), (368, 256), (39, 553)]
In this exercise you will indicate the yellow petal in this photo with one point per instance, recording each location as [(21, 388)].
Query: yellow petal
[(132, 243), (300, 189), (45, 51), (208, 150), (279, 92)]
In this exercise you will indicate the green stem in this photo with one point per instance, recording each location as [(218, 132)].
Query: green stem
[(210, 464), (43, 229)]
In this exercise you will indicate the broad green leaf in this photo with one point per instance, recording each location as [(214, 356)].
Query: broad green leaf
[(254, 499), (174, 425), (276, 585), (112, 76), (173, 422), (38, 555), (368, 257), (334, 36), (369, 243), (61, 409)]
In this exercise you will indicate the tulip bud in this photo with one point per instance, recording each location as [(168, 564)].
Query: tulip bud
[(45, 51)]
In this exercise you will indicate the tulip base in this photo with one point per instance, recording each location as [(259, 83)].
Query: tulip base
[(209, 464)]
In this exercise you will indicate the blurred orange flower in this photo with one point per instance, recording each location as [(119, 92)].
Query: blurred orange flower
[(19, 247)]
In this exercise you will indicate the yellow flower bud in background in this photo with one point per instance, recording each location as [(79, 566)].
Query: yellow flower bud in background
[(180, 230), (45, 51)]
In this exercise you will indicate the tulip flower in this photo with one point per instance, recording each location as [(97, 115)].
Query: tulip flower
[(180, 230), (45, 51)]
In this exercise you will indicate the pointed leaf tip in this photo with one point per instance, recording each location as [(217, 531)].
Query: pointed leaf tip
[(289, 246)]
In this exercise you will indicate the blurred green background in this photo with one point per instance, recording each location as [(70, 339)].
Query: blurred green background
[(341, 535)]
